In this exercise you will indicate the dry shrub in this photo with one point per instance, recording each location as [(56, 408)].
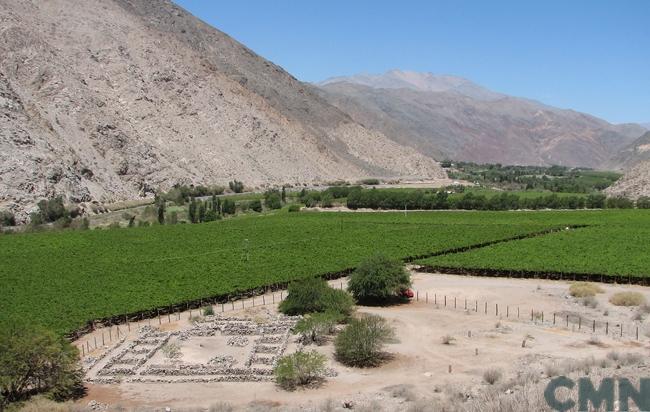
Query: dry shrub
[(492, 375), (401, 391), (590, 302), (584, 289), (221, 407), (447, 340), (627, 299)]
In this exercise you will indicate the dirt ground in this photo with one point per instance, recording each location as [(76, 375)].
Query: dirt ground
[(421, 366)]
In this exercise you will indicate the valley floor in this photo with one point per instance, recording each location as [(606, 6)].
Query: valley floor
[(422, 372)]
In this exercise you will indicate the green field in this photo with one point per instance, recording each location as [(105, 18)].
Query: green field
[(64, 279), (622, 250)]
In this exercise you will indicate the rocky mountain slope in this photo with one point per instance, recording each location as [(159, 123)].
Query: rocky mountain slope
[(634, 184), (111, 99), (450, 117), (636, 152)]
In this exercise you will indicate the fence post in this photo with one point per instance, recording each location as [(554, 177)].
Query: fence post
[(567, 321), (417, 295), (280, 295), (253, 300), (233, 304), (496, 309), (621, 329), (455, 302), (273, 297), (118, 331), (426, 297), (507, 311), (95, 338), (242, 304), (104, 344), (263, 300), (579, 322), (606, 328), (110, 334), (83, 350), (553, 318), (435, 298), (637, 333), (159, 321), (542, 317), (532, 315), (445, 300), (517, 312), (465, 303), (222, 308), (593, 328), (476, 307), (486, 307)]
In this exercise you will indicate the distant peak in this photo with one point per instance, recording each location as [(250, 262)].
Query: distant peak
[(420, 81)]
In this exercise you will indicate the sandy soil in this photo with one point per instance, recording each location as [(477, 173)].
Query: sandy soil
[(419, 360)]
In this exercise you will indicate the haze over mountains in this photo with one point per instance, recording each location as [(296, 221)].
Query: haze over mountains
[(111, 99), (448, 117)]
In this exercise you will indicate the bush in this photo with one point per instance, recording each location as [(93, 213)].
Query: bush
[(315, 326), (379, 279), (294, 208), (362, 342), (34, 360), (595, 201), (619, 203), (256, 206), (272, 200), (492, 376), (627, 299), (315, 295), (7, 218), (584, 289), (228, 207), (208, 311), (370, 182), (300, 368), (236, 186)]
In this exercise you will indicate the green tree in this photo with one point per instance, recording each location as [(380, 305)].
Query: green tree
[(202, 211), (273, 199), (34, 360), (299, 368), (643, 202), (236, 186), (284, 194), (228, 207), (161, 211), (379, 279), (7, 218), (362, 342), (256, 205), (314, 295), (192, 212)]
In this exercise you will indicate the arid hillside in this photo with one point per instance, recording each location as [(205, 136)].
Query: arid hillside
[(634, 184), (453, 118), (110, 100)]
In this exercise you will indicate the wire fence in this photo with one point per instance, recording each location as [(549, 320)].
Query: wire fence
[(114, 334)]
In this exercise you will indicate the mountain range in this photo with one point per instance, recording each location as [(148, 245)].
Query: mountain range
[(448, 117), (113, 99), (109, 100)]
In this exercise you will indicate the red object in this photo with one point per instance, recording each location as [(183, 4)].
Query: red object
[(407, 293)]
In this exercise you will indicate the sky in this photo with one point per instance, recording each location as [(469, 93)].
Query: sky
[(592, 56)]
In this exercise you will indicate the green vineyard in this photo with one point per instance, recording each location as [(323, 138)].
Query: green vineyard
[(65, 279)]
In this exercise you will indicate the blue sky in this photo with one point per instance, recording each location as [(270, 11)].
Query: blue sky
[(592, 56)]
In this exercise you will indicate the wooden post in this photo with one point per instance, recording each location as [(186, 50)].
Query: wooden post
[(118, 331), (88, 346), (621, 329), (169, 316), (532, 315), (486, 308), (263, 300), (553, 318), (435, 298), (465, 303), (95, 338), (104, 344), (83, 351), (455, 302), (593, 328), (280, 295), (253, 300), (542, 316), (417, 295), (190, 317), (567, 321), (476, 306), (496, 309), (449, 368), (606, 328), (233, 304), (517, 312), (579, 322), (222, 309), (159, 320), (242, 304), (273, 297), (445, 300), (426, 297), (507, 312), (637, 333), (110, 334)]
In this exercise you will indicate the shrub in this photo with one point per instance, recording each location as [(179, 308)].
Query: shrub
[(584, 289), (34, 360), (595, 201), (370, 182), (619, 203), (361, 343), (7, 218), (208, 311), (294, 208), (448, 339), (315, 295), (256, 206), (627, 299), (273, 200), (171, 350), (327, 200), (236, 186), (315, 326), (228, 207), (492, 376), (590, 302), (299, 368), (378, 279)]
